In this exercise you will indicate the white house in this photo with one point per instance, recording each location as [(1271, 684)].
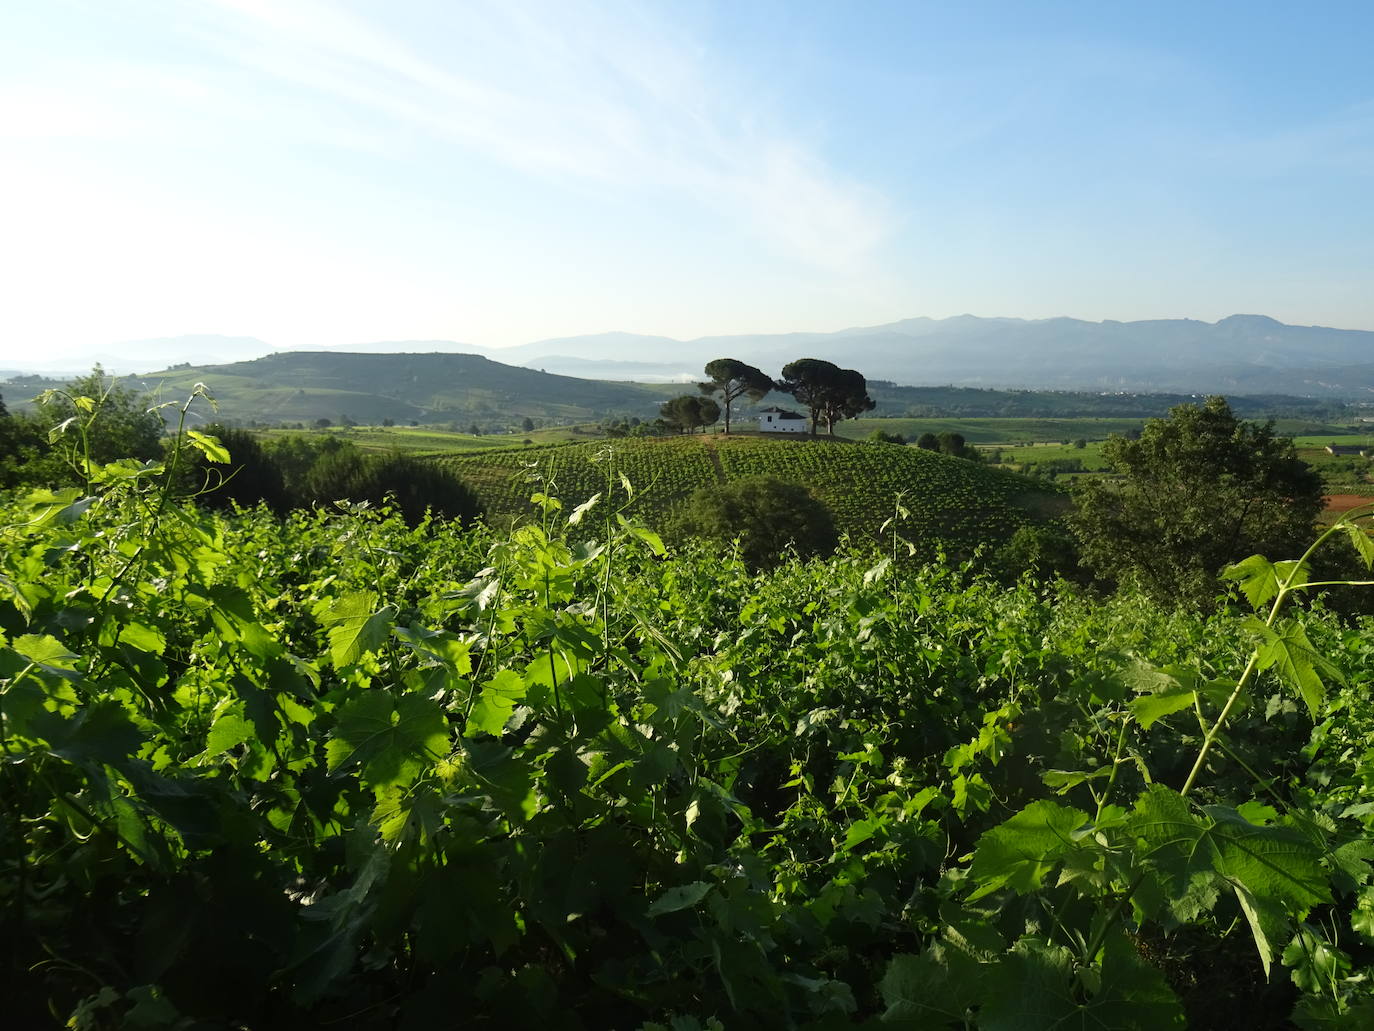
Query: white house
[(780, 420)]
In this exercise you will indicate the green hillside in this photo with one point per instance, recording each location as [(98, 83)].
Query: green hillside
[(303, 386), (951, 500)]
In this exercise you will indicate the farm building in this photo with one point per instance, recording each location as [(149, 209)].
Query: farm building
[(781, 420), (1347, 449)]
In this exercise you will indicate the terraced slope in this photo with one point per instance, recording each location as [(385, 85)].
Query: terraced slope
[(950, 500)]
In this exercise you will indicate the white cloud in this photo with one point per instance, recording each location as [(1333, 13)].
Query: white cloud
[(606, 97)]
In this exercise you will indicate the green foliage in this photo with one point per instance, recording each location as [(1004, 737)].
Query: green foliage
[(883, 437), (733, 379), (244, 473), (1197, 491), (689, 412), (92, 421), (415, 486), (327, 769), (767, 517), (827, 391)]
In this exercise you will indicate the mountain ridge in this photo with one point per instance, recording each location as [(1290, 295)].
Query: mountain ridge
[(1241, 352)]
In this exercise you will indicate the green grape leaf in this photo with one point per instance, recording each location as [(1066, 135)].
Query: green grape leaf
[(1029, 989), (48, 654), (1316, 964), (355, 627), (1362, 916), (1298, 664), (1023, 850), (101, 732), (1362, 543), (1196, 853), (437, 646), (499, 697), (1260, 579), (1269, 924), (684, 896), (1150, 708), (1063, 780), (391, 739), (1132, 993), (229, 731), (211, 447)]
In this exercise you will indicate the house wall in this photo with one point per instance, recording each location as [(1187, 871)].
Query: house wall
[(770, 423)]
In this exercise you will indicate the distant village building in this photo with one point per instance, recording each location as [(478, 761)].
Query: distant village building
[(1347, 449), (781, 420)]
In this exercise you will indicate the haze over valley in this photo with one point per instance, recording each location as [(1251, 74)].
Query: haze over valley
[(1241, 354)]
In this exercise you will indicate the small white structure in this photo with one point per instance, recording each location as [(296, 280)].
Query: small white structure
[(781, 420)]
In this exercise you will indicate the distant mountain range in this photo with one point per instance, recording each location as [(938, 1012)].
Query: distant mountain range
[(1243, 354)]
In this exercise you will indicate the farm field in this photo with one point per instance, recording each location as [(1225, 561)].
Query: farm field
[(1021, 431), (951, 500), (430, 440)]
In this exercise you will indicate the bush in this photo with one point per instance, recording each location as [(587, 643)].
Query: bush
[(766, 515), (251, 476), (883, 437), (414, 485)]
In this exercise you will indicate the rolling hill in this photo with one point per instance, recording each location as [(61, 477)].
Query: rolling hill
[(303, 386), (952, 501)]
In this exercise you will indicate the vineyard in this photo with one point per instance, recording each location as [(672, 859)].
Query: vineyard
[(333, 771), (951, 502)]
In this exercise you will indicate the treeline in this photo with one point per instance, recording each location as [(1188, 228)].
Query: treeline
[(895, 400), (302, 472), (94, 422)]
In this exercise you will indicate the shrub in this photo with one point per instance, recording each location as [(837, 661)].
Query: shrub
[(766, 515)]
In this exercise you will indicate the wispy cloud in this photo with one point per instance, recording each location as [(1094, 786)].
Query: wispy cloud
[(594, 95)]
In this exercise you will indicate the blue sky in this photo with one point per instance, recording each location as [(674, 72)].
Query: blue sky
[(329, 172)]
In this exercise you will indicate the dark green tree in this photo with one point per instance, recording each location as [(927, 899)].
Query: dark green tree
[(413, 485), (883, 437), (829, 392), (688, 412), (121, 424), (928, 442), (733, 379), (768, 516), (1197, 491), (250, 477)]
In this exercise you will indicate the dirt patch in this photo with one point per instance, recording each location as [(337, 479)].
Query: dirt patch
[(1336, 504)]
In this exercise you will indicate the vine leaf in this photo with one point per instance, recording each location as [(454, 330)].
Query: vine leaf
[(354, 627), (682, 897), (1260, 579), (1297, 663), (575, 516), (210, 446), (1362, 542), (499, 697), (1162, 691), (1023, 850), (1268, 924), (48, 654), (1274, 870), (229, 731), (391, 739)]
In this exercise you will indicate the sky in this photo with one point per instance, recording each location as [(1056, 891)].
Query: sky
[(327, 172)]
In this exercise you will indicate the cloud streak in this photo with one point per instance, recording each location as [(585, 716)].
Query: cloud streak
[(591, 96)]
